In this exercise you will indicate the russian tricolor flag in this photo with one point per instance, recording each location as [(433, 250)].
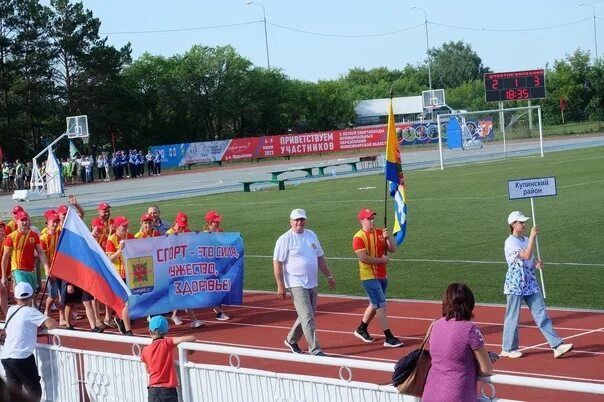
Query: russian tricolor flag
[(81, 261)]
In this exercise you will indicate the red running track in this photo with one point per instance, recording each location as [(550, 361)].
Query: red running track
[(264, 320)]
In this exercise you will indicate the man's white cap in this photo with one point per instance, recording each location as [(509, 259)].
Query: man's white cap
[(298, 214), (23, 290), (517, 216)]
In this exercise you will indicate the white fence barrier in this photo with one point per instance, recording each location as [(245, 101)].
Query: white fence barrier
[(79, 375)]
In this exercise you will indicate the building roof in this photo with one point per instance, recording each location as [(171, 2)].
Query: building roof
[(379, 107)]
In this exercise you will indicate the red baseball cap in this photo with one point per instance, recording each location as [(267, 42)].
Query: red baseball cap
[(146, 217), (366, 213), (182, 220), (62, 210), (103, 206), (48, 212), (120, 221), (98, 222), (213, 216), (21, 215), (17, 209), (52, 216)]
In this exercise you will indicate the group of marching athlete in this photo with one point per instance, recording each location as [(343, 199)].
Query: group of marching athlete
[(23, 244)]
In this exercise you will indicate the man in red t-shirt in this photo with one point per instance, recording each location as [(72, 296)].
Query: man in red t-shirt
[(370, 245), (158, 358), (105, 214), (12, 225)]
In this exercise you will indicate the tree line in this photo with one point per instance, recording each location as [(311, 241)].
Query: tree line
[(54, 63)]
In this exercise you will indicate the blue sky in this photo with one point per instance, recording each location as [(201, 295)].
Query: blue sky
[(312, 57)]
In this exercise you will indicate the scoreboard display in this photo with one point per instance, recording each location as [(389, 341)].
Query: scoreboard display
[(514, 85)]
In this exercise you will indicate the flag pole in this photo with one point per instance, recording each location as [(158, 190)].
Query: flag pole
[(386, 181)]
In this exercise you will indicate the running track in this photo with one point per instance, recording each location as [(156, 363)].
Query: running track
[(264, 320)]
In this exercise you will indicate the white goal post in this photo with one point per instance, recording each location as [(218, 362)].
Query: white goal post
[(508, 120)]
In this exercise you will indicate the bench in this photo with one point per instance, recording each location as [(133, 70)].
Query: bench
[(352, 164), (275, 174), (209, 163), (247, 184), (369, 160)]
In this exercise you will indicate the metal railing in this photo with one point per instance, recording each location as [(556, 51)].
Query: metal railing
[(75, 375)]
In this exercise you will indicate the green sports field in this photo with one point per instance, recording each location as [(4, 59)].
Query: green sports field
[(456, 227)]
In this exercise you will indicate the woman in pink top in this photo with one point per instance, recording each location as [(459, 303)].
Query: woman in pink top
[(457, 350)]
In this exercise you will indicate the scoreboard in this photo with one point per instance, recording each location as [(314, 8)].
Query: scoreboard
[(514, 85)]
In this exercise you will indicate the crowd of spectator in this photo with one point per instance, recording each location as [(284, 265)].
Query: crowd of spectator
[(107, 166)]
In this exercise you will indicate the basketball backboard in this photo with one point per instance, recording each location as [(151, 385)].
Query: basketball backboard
[(433, 98), (77, 126)]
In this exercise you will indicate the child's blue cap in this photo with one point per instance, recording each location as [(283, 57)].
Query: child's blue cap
[(158, 324)]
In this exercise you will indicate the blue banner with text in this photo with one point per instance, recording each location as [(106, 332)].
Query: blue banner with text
[(188, 270)]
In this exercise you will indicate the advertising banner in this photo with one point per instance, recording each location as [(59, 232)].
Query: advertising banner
[(188, 270), (297, 144)]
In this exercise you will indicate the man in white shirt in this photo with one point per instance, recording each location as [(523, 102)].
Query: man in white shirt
[(297, 258), (21, 335)]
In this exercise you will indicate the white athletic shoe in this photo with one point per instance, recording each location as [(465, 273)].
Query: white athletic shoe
[(562, 349), (176, 319), (513, 354), (197, 324)]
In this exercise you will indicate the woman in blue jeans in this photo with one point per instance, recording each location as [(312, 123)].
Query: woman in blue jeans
[(521, 284)]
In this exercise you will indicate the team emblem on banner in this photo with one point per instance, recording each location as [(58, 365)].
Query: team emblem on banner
[(140, 275)]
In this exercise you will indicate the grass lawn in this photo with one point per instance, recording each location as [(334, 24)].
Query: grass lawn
[(456, 227)]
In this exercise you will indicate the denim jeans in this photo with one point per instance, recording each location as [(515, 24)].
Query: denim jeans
[(162, 394), (305, 302), (536, 305)]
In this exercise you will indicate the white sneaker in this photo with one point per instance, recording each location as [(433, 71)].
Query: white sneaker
[(197, 324), (562, 349), (222, 316), (176, 319), (513, 354)]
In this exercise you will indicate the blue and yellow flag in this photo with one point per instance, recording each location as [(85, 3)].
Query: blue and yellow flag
[(396, 180)]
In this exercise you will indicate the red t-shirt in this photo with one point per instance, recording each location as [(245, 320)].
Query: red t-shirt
[(159, 357), (22, 246), (374, 245), (49, 243), (111, 247)]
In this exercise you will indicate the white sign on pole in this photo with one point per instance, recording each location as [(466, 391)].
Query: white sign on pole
[(532, 188)]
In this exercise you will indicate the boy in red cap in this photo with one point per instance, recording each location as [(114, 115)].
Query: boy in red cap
[(49, 239), (20, 248), (370, 245), (212, 225), (3, 290), (181, 225), (97, 231), (113, 249), (12, 225), (147, 229)]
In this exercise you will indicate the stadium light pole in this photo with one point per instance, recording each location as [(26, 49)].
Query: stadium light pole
[(427, 45), (593, 9), (249, 3)]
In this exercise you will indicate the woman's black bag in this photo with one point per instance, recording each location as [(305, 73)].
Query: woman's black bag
[(411, 371)]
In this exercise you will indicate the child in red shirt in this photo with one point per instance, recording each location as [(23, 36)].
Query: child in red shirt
[(159, 359)]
